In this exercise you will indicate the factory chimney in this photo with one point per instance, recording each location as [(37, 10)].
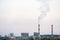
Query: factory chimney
[(52, 30), (39, 32)]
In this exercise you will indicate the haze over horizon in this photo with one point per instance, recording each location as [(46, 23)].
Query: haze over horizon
[(18, 16)]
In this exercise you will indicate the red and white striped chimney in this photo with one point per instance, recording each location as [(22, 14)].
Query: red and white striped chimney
[(38, 31), (52, 30)]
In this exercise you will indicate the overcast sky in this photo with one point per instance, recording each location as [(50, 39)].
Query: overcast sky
[(18, 16)]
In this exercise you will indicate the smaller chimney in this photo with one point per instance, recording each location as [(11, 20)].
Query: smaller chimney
[(52, 30)]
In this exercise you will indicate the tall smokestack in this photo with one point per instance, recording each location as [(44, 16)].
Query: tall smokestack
[(52, 30), (38, 31), (39, 38), (43, 9)]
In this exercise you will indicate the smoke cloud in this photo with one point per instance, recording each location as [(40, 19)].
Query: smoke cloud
[(43, 9)]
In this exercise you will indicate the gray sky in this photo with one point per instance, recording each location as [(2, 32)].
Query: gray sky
[(18, 16)]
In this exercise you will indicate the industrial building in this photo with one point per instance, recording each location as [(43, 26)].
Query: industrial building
[(24, 36)]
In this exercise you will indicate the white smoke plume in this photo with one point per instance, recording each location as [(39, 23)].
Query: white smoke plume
[(43, 9)]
